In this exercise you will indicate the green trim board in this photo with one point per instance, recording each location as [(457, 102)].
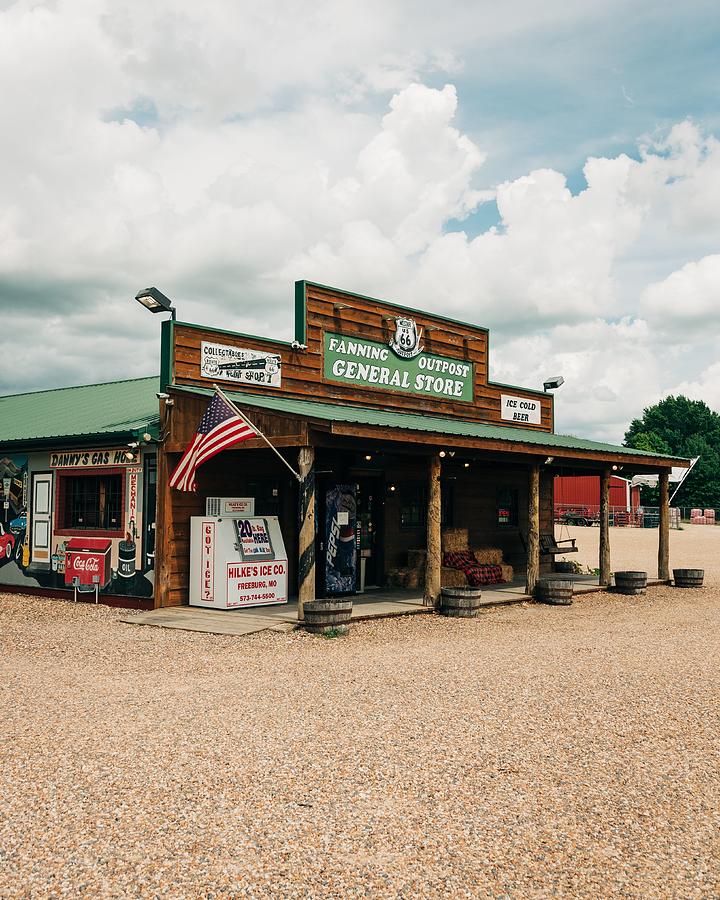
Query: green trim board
[(361, 415), (116, 409), (166, 353), (301, 312)]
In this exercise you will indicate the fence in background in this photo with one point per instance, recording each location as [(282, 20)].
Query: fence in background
[(641, 517)]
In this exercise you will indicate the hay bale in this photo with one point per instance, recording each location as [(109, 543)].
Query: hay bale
[(403, 577), (414, 579), (452, 578), (454, 539), (507, 572), (417, 559), (490, 555)]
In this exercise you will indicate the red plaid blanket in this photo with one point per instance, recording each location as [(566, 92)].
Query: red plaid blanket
[(475, 572)]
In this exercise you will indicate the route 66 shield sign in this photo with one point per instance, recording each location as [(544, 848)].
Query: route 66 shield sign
[(406, 341)]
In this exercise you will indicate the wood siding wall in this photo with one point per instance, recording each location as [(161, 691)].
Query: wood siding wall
[(302, 371)]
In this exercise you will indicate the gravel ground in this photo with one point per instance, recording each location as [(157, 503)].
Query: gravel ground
[(533, 752)]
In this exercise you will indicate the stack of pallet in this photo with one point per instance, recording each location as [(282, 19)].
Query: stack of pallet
[(702, 517)]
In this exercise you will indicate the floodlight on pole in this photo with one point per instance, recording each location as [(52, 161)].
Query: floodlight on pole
[(155, 301), (552, 383)]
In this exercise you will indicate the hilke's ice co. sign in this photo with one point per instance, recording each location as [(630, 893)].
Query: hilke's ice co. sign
[(401, 365)]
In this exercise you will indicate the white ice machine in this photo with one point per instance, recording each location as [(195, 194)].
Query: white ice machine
[(238, 562)]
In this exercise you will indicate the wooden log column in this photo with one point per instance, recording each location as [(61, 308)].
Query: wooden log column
[(664, 527), (306, 528), (604, 527), (434, 550), (533, 534)]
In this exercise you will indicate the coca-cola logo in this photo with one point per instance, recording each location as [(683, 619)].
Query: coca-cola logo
[(86, 564)]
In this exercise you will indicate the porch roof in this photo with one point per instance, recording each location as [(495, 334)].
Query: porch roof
[(533, 441)]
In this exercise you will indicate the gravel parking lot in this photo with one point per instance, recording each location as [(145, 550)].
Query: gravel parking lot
[(533, 752)]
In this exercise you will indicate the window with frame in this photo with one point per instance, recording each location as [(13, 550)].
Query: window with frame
[(91, 502), (413, 504), (507, 508)]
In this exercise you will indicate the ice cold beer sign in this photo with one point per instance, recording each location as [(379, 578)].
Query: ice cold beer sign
[(520, 409)]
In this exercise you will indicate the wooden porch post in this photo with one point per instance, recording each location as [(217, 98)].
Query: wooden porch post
[(533, 536), (434, 554), (664, 528), (306, 524), (605, 527)]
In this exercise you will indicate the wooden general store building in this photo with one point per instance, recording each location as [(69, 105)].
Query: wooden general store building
[(392, 406)]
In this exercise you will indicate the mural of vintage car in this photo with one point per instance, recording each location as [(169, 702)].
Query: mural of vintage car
[(7, 545), (17, 528)]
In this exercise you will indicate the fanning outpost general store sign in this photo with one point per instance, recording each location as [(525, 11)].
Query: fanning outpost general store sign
[(401, 365)]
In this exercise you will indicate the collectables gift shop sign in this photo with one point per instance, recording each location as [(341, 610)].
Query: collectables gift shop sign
[(239, 364), (397, 366)]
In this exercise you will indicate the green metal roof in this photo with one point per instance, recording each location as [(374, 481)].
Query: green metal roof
[(92, 410), (407, 421)]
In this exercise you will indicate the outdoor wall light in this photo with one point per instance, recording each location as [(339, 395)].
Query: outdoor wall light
[(151, 298), (392, 488), (368, 456), (549, 460), (466, 465), (555, 382), (442, 454)]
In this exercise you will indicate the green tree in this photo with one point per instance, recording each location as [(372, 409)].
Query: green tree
[(682, 427)]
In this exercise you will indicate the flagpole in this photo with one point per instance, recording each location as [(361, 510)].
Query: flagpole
[(255, 428), (685, 475)]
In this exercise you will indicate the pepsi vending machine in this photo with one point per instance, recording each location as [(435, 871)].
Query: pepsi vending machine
[(340, 540)]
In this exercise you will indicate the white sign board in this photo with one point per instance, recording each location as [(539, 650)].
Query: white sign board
[(229, 507), (221, 362), (520, 409), (225, 570)]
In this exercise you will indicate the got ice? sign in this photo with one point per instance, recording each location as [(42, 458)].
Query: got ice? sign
[(520, 409)]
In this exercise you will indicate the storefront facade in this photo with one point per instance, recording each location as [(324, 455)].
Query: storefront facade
[(389, 416), (79, 481)]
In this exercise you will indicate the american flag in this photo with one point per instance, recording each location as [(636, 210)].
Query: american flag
[(220, 427)]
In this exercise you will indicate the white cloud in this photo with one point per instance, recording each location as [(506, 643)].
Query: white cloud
[(222, 151), (687, 302)]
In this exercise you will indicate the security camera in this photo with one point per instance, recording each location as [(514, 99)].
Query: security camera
[(553, 383), (133, 444), (162, 396), (296, 345)]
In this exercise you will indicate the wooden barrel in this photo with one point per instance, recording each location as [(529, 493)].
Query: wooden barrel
[(460, 603), (687, 578), (630, 582), (555, 591), (323, 616)]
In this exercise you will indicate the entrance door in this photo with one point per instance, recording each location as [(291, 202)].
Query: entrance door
[(149, 504), (40, 517), (369, 526)]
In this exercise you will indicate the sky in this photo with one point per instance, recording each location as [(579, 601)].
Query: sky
[(550, 171)]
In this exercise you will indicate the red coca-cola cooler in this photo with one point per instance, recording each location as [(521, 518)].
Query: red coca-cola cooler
[(88, 560)]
